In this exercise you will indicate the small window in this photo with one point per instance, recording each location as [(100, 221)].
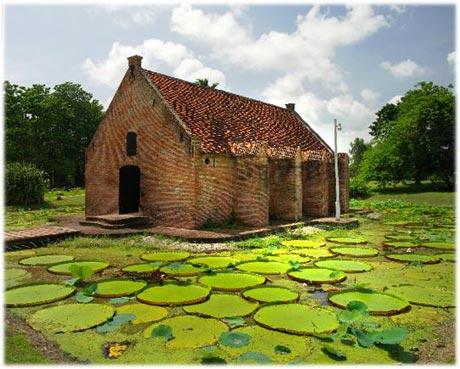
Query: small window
[(207, 161), (131, 144)]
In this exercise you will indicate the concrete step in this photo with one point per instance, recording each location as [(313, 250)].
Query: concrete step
[(93, 223), (135, 218)]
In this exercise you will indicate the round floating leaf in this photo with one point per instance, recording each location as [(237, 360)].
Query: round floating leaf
[(347, 240), (315, 253), (15, 274), (118, 287), (143, 313), (36, 294), (214, 262), (141, 268), (166, 256), (172, 294), (398, 244), (446, 257), (439, 245), (234, 339), (64, 268), (421, 275), (221, 306), (182, 270), (349, 266), (264, 267), (317, 275), (190, 331), (231, 281), (46, 260), (400, 237), (358, 252), (419, 258), (70, 317), (282, 350), (270, 251), (253, 357), (303, 243), (286, 258), (425, 295), (296, 319), (162, 330), (377, 303), (270, 294)]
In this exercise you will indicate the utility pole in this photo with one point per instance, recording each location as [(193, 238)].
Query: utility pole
[(337, 127)]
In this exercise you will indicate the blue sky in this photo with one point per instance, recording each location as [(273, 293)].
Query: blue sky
[(333, 61)]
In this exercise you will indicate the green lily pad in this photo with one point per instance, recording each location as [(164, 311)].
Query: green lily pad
[(377, 303), (64, 268), (296, 319), (447, 257), (231, 281), (349, 266), (439, 245), (268, 251), (421, 275), (397, 223), (347, 240), (17, 253), (15, 274), (317, 275), (221, 306), (234, 339), (172, 294), (36, 294), (70, 317), (141, 268), (270, 294), (400, 237), (425, 295), (166, 256), (251, 357), (215, 262), (399, 244), (184, 270), (303, 243), (314, 253), (286, 258), (190, 331), (144, 313), (358, 252), (264, 267), (118, 287), (419, 258), (46, 260)]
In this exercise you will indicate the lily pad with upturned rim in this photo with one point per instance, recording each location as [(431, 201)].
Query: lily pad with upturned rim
[(286, 258), (303, 243), (215, 262), (425, 295), (409, 258), (16, 274), (400, 244), (144, 313), (36, 294), (165, 256), (264, 267), (296, 319), (172, 294), (185, 270), (377, 303), (348, 266), (63, 268), (70, 317), (141, 268), (314, 253), (357, 252), (118, 287), (270, 294), (221, 306), (45, 260), (317, 275), (447, 257), (347, 240), (231, 281), (444, 245)]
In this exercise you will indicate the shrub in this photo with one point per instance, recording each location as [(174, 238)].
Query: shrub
[(359, 188), (25, 184)]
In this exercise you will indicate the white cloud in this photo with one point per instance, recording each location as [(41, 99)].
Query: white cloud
[(451, 59), (127, 16), (192, 69), (398, 8), (395, 99), (369, 96), (406, 68)]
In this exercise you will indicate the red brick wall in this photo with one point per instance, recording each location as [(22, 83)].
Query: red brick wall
[(315, 178)]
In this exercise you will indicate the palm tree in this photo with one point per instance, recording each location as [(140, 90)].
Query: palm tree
[(203, 82)]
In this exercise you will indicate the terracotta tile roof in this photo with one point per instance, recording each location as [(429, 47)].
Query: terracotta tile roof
[(227, 123)]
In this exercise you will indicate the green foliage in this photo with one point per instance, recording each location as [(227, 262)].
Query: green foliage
[(234, 321), (282, 350), (359, 188), (164, 331), (258, 357), (208, 356), (116, 322), (357, 149), (79, 273), (234, 339), (25, 184), (203, 82)]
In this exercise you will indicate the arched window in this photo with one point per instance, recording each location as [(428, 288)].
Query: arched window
[(131, 144)]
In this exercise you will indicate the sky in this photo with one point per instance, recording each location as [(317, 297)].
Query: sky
[(333, 61)]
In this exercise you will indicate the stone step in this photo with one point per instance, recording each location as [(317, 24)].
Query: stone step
[(135, 218), (93, 223)]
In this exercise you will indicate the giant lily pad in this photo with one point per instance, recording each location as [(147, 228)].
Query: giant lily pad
[(400, 237), (46, 260), (144, 313), (264, 267), (231, 281), (70, 317), (190, 331), (221, 306), (399, 244), (172, 294), (425, 295), (141, 268), (16, 274), (182, 270), (118, 287), (166, 256), (36, 294), (317, 275), (446, 257), (349, 266), (377, 303), (347, 240), (296, 319), (286, 258), (439, 245), (63, 268), (303, 243), (358, 252), (419, 258), (270, 294), (314, 253), (214, 262)]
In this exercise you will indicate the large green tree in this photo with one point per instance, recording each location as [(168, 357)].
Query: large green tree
[(357, 149), (51, 128)]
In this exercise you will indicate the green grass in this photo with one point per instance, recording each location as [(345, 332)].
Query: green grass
[(18, 350), (444, 199)]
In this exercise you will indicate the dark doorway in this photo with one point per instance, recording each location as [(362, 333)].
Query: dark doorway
[(130, 189)]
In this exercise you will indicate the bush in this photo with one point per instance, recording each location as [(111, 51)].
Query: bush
[(25, 184), (359, 188)]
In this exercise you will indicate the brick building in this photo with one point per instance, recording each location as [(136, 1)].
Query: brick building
[(189, 156)]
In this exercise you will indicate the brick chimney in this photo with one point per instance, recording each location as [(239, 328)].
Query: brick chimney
[(290, 106), (135, 61)]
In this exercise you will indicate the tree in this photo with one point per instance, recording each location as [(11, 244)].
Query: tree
[(357, 149), (205, 83), (385, 121)]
